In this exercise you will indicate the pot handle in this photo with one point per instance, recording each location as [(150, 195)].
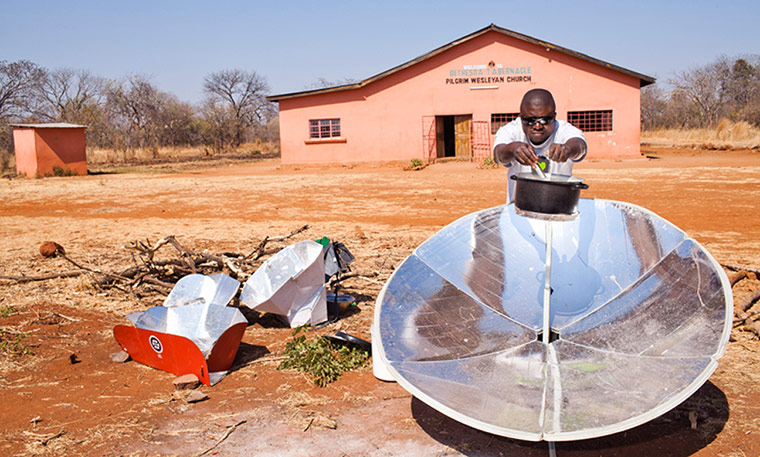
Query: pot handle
[(581, 185)]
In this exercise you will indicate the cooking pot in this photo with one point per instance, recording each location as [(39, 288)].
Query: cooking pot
[(553, 194)]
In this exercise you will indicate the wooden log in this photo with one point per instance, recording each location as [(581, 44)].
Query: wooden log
[(743, 318), (736, 277), (739, 268), (23, 279), (259, 251), (753, 327), (157, 282), (749, 301)]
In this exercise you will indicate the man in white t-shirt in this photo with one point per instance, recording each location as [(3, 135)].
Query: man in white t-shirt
[(535, 133)]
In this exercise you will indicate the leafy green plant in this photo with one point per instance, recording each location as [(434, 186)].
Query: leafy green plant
[(7, 310), (13, 343), (324, 360), (488, 162), (416, 163)]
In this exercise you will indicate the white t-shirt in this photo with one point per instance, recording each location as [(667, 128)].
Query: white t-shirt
[(513, 131)]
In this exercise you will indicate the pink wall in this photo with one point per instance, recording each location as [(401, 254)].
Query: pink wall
[(383, 120), (39, 150), (26, 151)]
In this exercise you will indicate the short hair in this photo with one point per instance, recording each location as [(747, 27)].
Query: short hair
[(538, 97)]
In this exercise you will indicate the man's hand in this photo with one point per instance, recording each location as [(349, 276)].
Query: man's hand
[(573, 149), (525, 154), (558, 152), (521, 152)]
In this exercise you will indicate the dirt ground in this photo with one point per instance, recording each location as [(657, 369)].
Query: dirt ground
[(51, 406)]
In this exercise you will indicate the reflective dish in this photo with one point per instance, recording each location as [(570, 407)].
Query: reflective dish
[(639, 314)]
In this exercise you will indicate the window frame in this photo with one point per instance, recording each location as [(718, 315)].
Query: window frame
[(497, 124), (324, 129), (592, 120)]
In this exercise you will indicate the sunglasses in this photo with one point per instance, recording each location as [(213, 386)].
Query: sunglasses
[(531, 121)]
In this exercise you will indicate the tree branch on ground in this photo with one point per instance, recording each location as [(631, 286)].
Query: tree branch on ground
[(151, 274)]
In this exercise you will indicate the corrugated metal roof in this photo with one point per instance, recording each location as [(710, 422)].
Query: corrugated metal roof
[(55, 125), (644, 79)]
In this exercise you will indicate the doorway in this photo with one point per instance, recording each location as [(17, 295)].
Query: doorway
[(453, 136)]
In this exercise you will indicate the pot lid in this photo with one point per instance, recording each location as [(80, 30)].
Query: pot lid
[(553, 178)]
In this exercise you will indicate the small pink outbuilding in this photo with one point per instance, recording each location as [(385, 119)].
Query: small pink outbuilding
[(450, 102), (50, 149)]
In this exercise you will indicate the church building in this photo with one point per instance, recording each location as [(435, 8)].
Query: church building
[(451, 101)]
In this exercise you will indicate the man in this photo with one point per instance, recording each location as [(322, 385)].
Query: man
[(535, 133)]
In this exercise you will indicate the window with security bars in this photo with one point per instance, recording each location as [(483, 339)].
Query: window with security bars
[(324, 128), (591, 121), (499, 119)]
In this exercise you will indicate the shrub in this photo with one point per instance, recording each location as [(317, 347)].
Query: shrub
[(321, 358), (60, 171), (13, 343), (488, 162), (7, 310)]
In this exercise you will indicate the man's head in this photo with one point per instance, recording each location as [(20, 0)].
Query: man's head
[(538, 108)]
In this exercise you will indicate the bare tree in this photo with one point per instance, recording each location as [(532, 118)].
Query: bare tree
[(67, 95), (703, 86), (269, 132), (17, 80), (177, 122), (218, 126), (653, 104), (135, 105), (244, 95)]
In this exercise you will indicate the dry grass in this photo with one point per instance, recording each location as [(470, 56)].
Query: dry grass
[(725, 135), (106, 157), (110, 156), (302, 399)]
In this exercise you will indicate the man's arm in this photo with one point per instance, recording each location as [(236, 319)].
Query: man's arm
[(574, 148), (517, 150)]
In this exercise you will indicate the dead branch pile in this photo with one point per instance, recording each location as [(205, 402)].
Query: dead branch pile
[(744, 318), (151, 272)]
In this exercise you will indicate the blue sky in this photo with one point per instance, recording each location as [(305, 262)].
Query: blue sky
[(293, 43)]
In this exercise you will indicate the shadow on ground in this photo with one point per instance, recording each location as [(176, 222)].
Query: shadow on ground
[(247, 354), (670, 434)]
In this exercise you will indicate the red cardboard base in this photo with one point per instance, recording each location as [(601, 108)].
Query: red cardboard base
[(177, 354)]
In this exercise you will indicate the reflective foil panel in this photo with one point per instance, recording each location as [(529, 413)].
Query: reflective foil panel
[(460, 321)]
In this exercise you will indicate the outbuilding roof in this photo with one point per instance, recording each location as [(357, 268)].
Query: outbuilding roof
[(644, 79), (56, 125)]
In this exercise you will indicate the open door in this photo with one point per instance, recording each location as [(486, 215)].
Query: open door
[(453, 136)]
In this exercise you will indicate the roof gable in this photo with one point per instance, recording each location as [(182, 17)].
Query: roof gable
[(644, 79)]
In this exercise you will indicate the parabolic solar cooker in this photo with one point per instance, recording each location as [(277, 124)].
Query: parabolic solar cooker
[(555, 328)]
